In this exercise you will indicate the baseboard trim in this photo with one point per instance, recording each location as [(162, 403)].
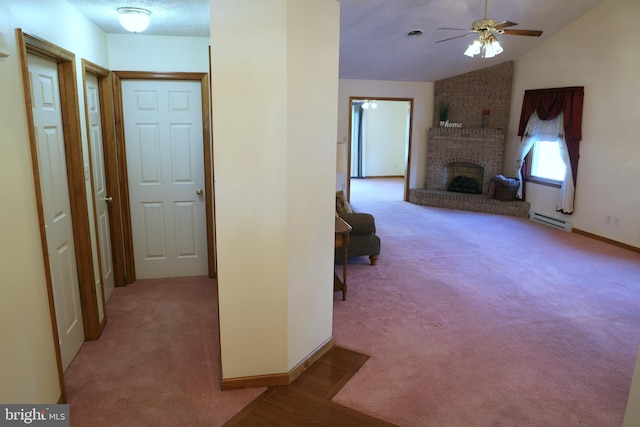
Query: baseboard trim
[(256, 381), (273, 380), (606, 240), (310, 359)]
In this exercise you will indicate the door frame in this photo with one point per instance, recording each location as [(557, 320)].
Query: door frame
[(407, 164), (66, 64), (110, 167), (127, 234)]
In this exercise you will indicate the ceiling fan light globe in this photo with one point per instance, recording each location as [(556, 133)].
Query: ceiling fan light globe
[(487, 51), (496, 47), (473, 49)]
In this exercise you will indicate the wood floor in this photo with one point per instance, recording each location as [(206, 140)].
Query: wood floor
[(307, 401)]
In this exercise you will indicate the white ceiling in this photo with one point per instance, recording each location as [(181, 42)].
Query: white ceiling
[(373, 41), (189, 18)]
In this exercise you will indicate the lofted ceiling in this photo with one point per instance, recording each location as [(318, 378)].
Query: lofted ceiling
[(373, 33)]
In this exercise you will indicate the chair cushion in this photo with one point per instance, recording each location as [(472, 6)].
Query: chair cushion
[(361, 223), (342, 206)]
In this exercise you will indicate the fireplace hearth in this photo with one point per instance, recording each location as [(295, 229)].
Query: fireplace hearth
[(476, 155)]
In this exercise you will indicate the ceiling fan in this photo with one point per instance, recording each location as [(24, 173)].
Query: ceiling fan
[(487, 44)]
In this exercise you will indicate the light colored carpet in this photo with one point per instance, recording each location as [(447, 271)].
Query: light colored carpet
[(157, 362), (484, 320), (470, 320)]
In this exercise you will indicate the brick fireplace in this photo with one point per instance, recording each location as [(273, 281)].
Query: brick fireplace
[(479, 150), (448, 146), (474, 153)]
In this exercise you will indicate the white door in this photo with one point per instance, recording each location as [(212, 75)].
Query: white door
[(102, 199), (165, 169), (45, 92)]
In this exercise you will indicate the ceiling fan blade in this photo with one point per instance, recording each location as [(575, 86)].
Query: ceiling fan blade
[(456, 37), (504, 24), (457, 29), (533, 33)]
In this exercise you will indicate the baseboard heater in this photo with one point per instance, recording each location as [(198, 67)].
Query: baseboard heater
[(550, 221)]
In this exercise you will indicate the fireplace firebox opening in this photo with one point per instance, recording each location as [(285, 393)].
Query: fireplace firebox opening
[(462, 177)]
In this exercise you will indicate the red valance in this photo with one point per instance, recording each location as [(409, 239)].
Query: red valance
[(551, 102)]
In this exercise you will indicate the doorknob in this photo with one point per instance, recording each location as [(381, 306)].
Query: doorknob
[(199, 192), (108, 199)]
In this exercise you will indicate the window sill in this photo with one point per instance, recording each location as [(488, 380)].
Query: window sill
[(541, 181)]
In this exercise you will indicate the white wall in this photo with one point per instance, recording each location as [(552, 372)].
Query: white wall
[(608, 67), (138, 52), (312, 92), (274, 109), (422, 94), (386, 138), (27, 359)]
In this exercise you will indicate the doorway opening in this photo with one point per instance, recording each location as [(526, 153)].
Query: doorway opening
[(104, 183), (379, 148)]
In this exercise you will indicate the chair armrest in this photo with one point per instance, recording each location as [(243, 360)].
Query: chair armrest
[(361, 223)]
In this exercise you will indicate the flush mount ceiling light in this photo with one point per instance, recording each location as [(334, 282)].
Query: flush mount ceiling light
[(134, 19)]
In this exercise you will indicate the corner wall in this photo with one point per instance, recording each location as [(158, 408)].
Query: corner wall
[(274, 107)]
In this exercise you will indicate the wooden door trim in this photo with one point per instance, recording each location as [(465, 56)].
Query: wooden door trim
[(30, 44), (93, 199), (117, 77), (405, 194), (110, 165)]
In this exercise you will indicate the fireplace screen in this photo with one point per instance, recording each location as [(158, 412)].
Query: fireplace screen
[(463, 178)]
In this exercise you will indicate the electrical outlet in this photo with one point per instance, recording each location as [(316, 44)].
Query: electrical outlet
[(616, 221)]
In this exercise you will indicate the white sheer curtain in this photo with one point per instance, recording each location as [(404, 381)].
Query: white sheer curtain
[(540, 130)]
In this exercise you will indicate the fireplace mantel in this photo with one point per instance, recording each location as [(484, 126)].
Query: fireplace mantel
[(468, 132)]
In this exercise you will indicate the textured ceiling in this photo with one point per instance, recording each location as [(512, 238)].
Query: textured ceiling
[(189, 18), (373, 41)]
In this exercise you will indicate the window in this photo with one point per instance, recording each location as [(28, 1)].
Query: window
[(545, 162)]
